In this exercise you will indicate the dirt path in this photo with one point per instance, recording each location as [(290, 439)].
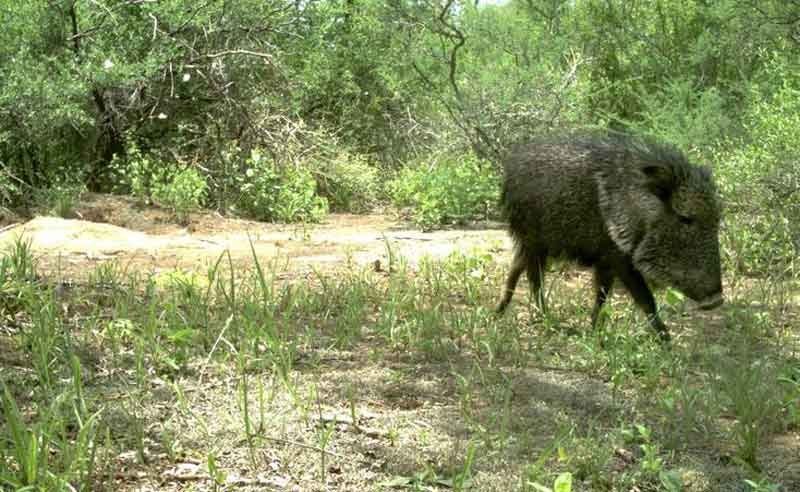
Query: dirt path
[(145, 239)]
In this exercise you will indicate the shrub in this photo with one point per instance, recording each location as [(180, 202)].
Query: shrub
[(759, 182), (452, 190), (685, 116), (149, 179), (182, 192), (271, 193), (136, 172), (60, 198), (349, 182), (10, 190)]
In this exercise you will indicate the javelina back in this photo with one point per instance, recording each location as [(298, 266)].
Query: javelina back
[(631, 208)]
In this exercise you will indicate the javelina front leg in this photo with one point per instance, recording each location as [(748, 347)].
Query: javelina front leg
[(641, 294), (603, 281)]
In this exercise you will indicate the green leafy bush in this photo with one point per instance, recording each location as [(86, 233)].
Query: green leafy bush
[(454, 189), (182, 192), (149, 180), (685, 116), (759, 182), (349, 182), (60, 198), (137, 173), (10, 192), (272, 193)]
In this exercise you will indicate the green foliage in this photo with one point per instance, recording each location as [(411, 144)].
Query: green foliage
[(280, 194), (182, 193), (664, 48), (681, 114), (562, 483), (10, 189), (137, 173), (393, 81), (512, 77), (759, 181), (349, 182), (18, 263), (60, 198), (451, 189), (173, 82), (26, 444), (27, 449), (790, 378), (354, 75), (763, 485), (149, 179), (17, 276), (742, 391)]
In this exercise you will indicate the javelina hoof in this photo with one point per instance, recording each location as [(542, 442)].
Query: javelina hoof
[(711, 302)]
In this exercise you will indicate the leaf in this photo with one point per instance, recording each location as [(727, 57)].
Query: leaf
[(182, 336), (673, 297), (540, 487), (397, 482), (671, 480), (563, 483)]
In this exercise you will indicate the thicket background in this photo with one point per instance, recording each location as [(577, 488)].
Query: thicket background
[(285, 110)]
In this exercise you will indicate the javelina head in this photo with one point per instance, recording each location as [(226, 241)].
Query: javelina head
[(665, 213), (680, 245)]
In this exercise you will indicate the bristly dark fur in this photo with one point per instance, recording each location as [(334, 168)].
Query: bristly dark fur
[(605, 145), (631, 207)]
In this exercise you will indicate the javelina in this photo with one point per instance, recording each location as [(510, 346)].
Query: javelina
[(629, 207)]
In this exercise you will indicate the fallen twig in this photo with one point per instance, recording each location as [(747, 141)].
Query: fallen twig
[(10, 226)]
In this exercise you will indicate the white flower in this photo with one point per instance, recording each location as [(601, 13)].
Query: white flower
[(162, 116), (108, 64)]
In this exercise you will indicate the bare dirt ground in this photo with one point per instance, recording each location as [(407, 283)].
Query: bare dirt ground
[(146, 238)]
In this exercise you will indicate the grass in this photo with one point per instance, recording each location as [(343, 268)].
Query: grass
[(224, 379)]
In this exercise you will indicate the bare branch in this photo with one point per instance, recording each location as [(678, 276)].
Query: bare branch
[(73, 16), (460, 40), (265, 56)]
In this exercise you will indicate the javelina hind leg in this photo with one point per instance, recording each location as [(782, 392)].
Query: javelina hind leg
[(517, 267), (603, 280), (641, 294)]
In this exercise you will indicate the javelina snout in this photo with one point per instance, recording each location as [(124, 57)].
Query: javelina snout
[(631, 208)]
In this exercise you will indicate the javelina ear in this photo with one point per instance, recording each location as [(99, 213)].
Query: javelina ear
[(660, 180)]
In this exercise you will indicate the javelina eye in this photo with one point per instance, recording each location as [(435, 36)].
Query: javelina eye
[(685, 220)]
